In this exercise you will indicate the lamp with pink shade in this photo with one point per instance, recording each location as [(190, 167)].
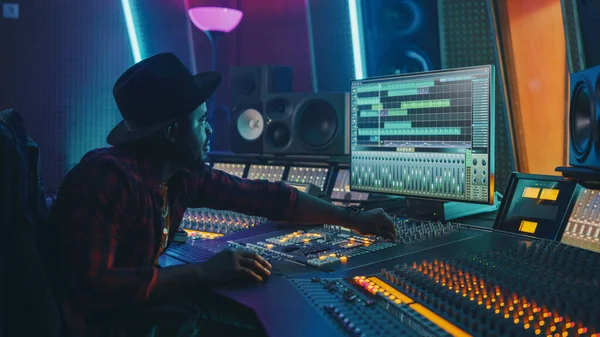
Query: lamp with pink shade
[(214, 22), (215, 19)]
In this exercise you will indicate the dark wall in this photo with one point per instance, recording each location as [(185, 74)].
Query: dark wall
[(60, 59)]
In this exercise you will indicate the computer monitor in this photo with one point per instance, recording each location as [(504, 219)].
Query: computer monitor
[(425, 135)]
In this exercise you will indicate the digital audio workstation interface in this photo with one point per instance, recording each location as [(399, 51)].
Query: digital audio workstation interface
[(425, 135)]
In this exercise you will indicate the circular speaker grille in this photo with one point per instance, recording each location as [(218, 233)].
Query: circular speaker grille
[(250, 124), (278, 135), (278, 108), (402, 59), (317, 122), (581, 119), (400, 18)]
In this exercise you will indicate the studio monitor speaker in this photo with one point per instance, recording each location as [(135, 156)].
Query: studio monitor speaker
[(582, 35), (400, 36), (250, 84), (306, 124), (584, 119)]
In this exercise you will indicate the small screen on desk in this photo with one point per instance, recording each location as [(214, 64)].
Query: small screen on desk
[(341, 189), (535, 207), (583, 227)]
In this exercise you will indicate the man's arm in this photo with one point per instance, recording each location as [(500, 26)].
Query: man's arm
[(216, 189), (311, 209), (93, 211), (280, 202)]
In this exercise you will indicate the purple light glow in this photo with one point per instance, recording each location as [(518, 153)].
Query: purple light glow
[(215, 19)]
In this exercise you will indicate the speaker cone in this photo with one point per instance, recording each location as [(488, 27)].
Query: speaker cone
[(317, 123), (402, 59), (581, 119), (250, 124), (278, 135)]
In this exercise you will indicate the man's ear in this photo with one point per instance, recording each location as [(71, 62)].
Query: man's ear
[(171, 133)]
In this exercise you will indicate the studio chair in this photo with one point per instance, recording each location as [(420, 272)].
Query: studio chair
[(27, 304)]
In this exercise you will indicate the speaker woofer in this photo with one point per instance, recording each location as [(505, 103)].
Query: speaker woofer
[(581, 119), (317, 123), (278, 135), (250, 124)]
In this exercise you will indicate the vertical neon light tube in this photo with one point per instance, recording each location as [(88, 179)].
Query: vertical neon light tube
[(133, 39), (357, 41)]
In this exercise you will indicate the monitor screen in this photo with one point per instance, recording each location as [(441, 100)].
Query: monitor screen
[(535, 205), (341, 189), (583, 227), (309, 175), (266, 172), (425, 135), (233, 169)]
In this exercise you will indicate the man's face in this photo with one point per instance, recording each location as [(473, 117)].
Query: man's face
[(195, 142)]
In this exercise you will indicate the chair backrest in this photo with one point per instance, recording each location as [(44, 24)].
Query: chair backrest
[(27, 304)]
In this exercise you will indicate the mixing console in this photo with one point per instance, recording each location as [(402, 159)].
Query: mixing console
[(583, 227), (508, 292), (233, 169), (327, 245), (266, 172), (205, 223), (355, 312), (312, 175)]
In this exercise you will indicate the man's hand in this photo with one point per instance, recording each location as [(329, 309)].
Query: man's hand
[(374, 222), (233, 265)]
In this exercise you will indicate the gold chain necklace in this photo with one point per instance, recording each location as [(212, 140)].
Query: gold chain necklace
[(164, 213)]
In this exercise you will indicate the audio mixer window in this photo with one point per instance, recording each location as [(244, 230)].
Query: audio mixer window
[(341, 189), (309, 175), (266, 172), (583, 227), (425, 135), (233, 169)]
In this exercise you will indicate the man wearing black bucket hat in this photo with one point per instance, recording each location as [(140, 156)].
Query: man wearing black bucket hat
[(119, 208)]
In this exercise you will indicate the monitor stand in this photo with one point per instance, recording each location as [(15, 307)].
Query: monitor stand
[(436, 210)]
